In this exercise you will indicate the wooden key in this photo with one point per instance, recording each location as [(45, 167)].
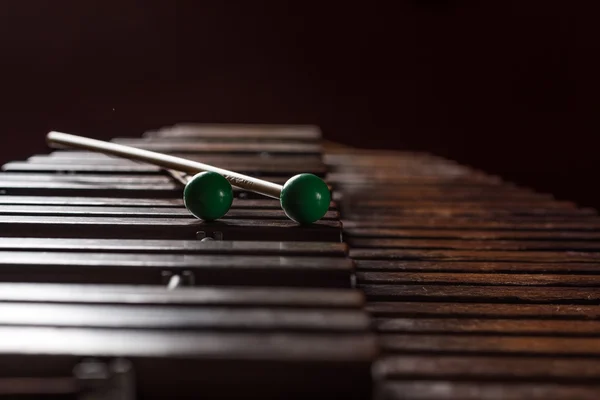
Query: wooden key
[(476, 267), (476, 256), (241, 132), (513, 311), (238, 203), (488, 326), (139, 268), (470, 279), (466, 244), (305, 197), (141, 295), (167, 362), (255, 166), (493, 344), (483, 294), (218, 319), (144, 212), (205, 247), (451, 390), (167, 228), (475, 234)]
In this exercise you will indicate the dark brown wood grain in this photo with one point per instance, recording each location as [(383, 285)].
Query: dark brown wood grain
[(483, 294), (478, 288), (460, 209), (386, 168), (355, 186), (475, 267), (371, 200), (358, 206), (378, 158), (491, 344), (460, 219), (378, 179), (482, 222), (471, 234), (528, 312), (489, 326), (489, 294), (470, 279), (483, 367), (426, 179), (471, 256), (448, 390), (444, 195), (465, 244)]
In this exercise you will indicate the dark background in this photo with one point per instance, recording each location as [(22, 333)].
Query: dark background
[(510, 87)]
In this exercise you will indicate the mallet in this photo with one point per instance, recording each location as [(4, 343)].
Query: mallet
[(304, 198)]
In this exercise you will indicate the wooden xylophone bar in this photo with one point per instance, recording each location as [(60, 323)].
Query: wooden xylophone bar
[(426, 280), (478, 289), (104, 249)]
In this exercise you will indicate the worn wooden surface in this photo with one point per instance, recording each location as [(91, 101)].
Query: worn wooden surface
[(478, 289)]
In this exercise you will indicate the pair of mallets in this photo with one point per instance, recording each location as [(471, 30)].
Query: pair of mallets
[(304, 198)]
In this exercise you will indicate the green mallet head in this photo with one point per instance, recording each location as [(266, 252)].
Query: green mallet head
[(305, 198), (208, 196)]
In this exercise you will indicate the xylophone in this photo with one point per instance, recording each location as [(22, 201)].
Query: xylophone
[(425, 279)]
